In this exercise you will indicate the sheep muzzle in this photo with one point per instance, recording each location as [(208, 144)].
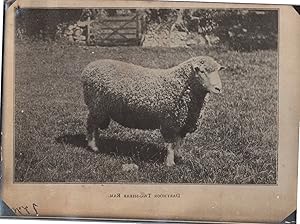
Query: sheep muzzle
[(213, 82)]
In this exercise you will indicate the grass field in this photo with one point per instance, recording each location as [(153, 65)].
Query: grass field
[(236, 142)]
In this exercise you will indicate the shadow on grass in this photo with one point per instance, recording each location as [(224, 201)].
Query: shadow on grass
[(137, 150)]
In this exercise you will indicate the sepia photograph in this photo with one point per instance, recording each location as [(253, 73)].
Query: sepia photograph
[(150, 110), (146, 95)]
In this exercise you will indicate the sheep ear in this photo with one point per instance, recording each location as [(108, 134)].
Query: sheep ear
[(195, 69)]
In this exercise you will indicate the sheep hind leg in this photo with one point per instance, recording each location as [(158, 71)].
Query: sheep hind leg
[(94, 123), (92, 132)]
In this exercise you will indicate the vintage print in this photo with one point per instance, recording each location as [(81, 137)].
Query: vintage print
[(151, 110), (131, 95), (146, 95)]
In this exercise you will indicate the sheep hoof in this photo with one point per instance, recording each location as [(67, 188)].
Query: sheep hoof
[(95, 149), (92, 146), (170, 163)]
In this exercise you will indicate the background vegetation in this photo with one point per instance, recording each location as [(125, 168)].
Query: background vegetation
[(243, 30)]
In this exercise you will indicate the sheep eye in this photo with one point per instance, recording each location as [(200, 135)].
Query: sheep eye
[(222, 68), (202, 62)]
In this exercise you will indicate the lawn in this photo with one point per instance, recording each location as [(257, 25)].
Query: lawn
[(235, 143)]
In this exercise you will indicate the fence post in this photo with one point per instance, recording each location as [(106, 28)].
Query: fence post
[(88, 31), (142, 38), (137, 28)]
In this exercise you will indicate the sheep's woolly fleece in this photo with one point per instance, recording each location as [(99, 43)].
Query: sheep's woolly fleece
[(138, 97)]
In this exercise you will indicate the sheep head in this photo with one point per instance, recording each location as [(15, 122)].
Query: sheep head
[(206, 70)]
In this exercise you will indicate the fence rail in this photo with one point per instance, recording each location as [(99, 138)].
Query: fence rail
[(117, 30)]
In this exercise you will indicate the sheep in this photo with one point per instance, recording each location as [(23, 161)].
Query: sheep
[(143, 98)]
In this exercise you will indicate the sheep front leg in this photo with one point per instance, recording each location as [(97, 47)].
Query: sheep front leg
[(172, 150), (177, 147), (170, 154)]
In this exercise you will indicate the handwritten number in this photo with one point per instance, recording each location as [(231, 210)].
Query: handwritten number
[(20, 210), (26, 209), (17, 210), (34, 205)]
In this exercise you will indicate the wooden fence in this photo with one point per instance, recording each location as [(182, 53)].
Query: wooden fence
[(115, 31)]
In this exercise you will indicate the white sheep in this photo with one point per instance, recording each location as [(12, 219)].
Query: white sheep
[(137, 97)]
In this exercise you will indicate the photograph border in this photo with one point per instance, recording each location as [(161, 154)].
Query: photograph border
[(284, 191)]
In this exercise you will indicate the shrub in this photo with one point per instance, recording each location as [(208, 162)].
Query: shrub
[(43, 23), (243, 30), (248, 29)]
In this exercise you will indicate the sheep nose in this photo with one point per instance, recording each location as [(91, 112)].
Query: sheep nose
[(217, 89)]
